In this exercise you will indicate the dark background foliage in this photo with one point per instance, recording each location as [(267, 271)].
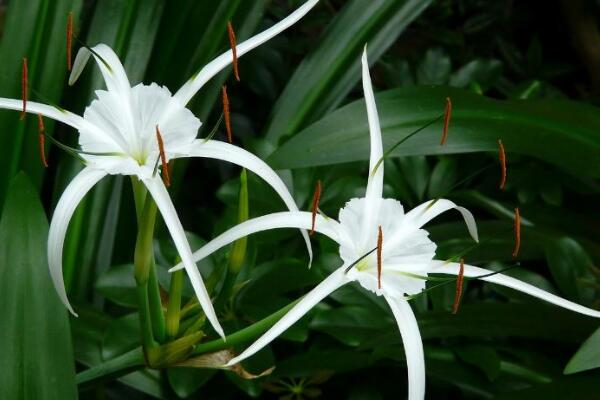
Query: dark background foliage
[(540, 61)]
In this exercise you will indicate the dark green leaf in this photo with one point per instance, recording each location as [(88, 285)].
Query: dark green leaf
[(567, 129), (326, 75), (35, 341)]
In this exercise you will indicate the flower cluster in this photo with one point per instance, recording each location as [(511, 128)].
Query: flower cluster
[(136, 130)]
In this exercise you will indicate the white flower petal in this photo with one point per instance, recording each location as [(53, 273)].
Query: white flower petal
[(442, 267), (312, 298), (227, 152), (165, 206), (112, 70), (425, 212), (293, 219), (413, 347), (191, 87), (375, 182), (63, 212), (55, 113)]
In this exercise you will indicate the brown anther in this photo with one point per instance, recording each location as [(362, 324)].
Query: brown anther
[(69, 40), (515, 252), (315, 206), (24, 83), (459, 286), (502, 157), (447, 115), (163, 158), (379, 250), (226, 114), (233, 44), (42, 140)]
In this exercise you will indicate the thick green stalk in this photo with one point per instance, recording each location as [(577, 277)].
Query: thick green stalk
[(244, 335), (174, 307), (145, 272), (111, 369)]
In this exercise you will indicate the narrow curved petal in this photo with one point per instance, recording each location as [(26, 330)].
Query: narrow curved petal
[(413, 347), (63, 212), (112, 70), (427, 211), (191, 87), (55, 113), (375, 181), (442, 267), (292, 219), (312, 298), (163, 201), (60, 115), (236, 155)]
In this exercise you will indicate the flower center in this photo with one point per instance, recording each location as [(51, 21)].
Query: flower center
[(128, 123)]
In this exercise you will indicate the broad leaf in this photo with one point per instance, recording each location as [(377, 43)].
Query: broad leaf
[(566, 130), (35, 341)]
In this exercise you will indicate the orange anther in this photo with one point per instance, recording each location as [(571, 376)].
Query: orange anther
[(226, 114), (163, 158), (315, 206), (69, 40), (459, 286), (515, 252), (233, 44), (502, 157), (447, 115)]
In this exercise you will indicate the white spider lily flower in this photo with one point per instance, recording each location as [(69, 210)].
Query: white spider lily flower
[(407, 254), (118, 135)]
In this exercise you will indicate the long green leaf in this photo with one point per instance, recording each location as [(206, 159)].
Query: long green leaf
[(562, 133), (332, 69), (35, 342)]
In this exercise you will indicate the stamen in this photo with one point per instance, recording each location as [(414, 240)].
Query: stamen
[(233, 44), (502, 157), (447, 115), (42, 140), (315, 206), (515, 252), (226, 114), (360, 259), (69, 40), (379, 250), (163, 158), (24, 85), (459, 286)]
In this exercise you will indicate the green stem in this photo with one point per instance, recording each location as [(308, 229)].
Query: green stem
[(246, 334), (111, 369), (156, 307), (174, 307), (145, 272), (144, 313)]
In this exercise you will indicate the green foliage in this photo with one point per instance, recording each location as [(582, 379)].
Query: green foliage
[(37, 355), (510, 74)]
